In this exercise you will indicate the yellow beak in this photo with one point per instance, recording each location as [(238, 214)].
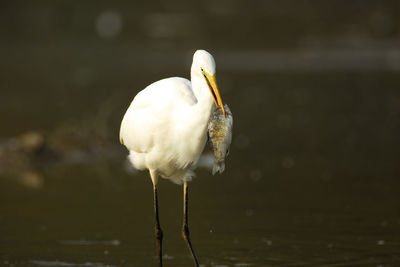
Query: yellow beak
[(212, 85)]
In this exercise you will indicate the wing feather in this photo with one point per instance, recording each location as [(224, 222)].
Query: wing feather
[(151, 112)]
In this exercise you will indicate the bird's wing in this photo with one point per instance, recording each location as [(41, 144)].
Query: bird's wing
[(151, 112), (168, 91)]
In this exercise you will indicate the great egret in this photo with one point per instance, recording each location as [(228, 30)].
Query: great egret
[(165, 130)]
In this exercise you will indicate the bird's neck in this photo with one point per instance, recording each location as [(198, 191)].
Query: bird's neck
[(205, 102)]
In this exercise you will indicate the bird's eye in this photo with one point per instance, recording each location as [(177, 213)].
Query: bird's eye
[(201, 69)]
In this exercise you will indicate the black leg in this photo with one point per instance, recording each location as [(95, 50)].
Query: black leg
[(185, 226), (158, 231)]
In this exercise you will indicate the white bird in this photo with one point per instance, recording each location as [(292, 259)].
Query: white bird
[(165, 130)]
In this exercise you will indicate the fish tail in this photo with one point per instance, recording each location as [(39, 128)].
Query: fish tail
[(218, 167)]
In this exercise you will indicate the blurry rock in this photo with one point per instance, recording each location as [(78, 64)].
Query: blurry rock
[(31, 141), (31, 179), (23, 157)]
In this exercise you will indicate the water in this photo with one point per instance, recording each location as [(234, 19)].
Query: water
[(99, 215), (312, 175)]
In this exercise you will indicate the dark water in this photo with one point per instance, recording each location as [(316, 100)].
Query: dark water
[(312, 178)]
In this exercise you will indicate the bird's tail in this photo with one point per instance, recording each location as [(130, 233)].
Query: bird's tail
[(219, 166)]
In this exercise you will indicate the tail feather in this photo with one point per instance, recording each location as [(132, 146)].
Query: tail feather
[(218, 167)]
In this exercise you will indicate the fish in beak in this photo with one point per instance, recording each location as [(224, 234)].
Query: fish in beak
[(212, 85)]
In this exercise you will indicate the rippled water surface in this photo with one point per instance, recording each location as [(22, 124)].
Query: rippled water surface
[(312, 178)]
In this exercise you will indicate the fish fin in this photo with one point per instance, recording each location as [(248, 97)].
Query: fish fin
[(209, 139), (218, 167)]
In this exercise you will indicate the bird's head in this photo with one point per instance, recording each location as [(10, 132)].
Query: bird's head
[(204, 64)]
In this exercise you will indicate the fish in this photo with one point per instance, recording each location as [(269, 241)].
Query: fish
[(220, 136)]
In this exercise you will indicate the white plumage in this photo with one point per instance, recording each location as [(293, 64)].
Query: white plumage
[(165, 126)]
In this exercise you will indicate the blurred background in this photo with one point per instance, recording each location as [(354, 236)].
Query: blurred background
[(312, 178)]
